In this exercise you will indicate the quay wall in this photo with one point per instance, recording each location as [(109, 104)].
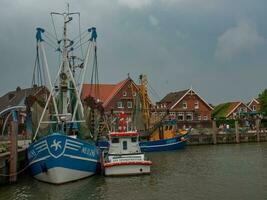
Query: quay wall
[(210, 137), (5, 164)]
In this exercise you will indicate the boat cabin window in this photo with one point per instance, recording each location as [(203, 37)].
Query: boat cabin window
[(166, 128), (124, 145), (115, 140), (134, 139)]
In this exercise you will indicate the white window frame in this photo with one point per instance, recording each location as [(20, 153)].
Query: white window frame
[(180, 114), (205, 117), (129, 104), (184, 105), (134, 94), (173, 114), (196, 105), (119, 104), (124, 94), (199, 117), (189, 114)]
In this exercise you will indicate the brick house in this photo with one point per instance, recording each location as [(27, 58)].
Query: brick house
[(231, 110), (115, 98), (254, 105), (186, 106)]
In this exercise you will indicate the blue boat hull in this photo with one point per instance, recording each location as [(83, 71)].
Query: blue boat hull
[(163, 145), (158, 145), (59, 159)]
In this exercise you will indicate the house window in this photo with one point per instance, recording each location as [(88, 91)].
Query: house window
[(134, 94), (189, 116), (199, 117), (196, 104), (129, 104), (172, 114), (205, 117), (162, 113), (119, 104), (124, 94), (253, 108), (184, 105), (180, 116)]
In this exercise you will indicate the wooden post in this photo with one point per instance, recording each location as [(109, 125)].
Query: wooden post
[(237, 138), (214, 132), (258, 129), (13, 150)]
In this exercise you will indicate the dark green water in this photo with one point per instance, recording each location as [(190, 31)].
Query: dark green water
[(200, 172)]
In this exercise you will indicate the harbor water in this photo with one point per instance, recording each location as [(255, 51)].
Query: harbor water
[(237, 171)]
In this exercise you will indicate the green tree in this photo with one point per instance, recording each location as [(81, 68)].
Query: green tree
[(263, 102)]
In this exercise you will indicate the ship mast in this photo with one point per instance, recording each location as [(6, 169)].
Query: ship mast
[(64, 74), (144, 100), (65, 93)]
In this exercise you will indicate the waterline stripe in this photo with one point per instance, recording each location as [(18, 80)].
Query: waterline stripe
[(161, 145), (40, 159), (80, 158)]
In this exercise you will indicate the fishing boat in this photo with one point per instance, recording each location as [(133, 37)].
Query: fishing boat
[(155, 134), (124, 155), (162, 134), (165, 138), (62, 148)]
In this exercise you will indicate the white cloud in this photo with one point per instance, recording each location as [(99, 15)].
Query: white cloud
[(236, 41), (135, 4), (153, 20)]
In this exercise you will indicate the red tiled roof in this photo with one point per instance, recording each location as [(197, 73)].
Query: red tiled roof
[(173, 97), (106, 91)]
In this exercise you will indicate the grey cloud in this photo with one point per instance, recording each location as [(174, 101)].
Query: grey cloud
[(242, 39), (173, 41)]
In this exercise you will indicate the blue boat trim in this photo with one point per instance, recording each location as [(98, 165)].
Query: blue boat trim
[(178, 142), (161, 145), (58, 150)]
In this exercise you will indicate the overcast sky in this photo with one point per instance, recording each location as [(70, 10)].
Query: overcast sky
[(219, 47)]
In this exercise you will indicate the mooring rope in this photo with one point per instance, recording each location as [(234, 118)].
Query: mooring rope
[(20, 171)]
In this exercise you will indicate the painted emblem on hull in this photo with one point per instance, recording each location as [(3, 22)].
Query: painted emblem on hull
[(56, 146)]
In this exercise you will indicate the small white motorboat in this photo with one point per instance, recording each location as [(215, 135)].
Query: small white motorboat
[(124, 156)]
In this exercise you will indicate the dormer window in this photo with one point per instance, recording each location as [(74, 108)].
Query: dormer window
[(196, 104), (184, 105), (124, 94)]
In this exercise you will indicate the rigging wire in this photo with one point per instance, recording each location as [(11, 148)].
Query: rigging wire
[(156, 94), (79, 43), (54, 27), (51, 41), (80, 35)]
